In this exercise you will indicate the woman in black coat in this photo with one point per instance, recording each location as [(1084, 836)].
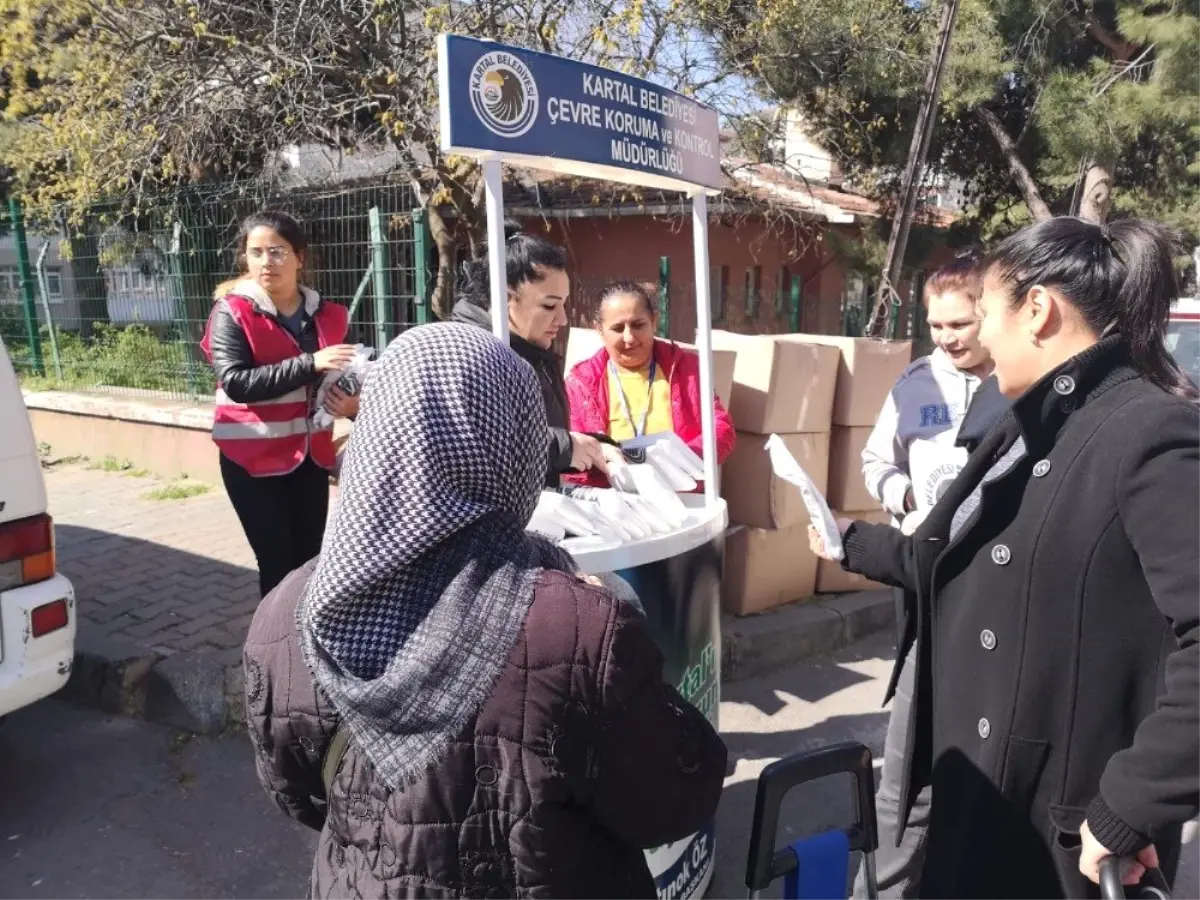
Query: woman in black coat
[(1057, 599)]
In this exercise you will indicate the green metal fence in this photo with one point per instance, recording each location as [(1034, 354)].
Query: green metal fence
[(121, 297)]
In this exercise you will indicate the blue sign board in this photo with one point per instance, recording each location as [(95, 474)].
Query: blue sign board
[(573, 117)]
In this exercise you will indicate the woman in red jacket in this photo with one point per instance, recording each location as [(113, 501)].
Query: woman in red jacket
[(639, 385), (270, 341)]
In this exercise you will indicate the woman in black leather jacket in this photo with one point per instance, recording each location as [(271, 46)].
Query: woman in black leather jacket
[(538, 288), (270, 341)]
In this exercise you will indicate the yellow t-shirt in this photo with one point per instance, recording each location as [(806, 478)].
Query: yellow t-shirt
[(638, 391)]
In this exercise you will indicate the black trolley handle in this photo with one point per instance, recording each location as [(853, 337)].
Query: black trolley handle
[(1153, 885), (764, 864)]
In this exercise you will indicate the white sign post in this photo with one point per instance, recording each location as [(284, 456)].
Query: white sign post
[(493, 184)]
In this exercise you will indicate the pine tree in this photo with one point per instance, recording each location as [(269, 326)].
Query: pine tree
[(1049, 106)]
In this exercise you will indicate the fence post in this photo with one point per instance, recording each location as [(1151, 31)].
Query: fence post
[(794, 304), (421, 264), (380, 276), (44, 292), (664, 296), (17, 216), (178, 281)]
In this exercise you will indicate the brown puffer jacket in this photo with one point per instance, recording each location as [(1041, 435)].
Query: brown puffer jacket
[(580, 758)]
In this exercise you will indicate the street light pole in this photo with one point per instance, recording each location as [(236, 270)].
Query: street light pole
[(910, 182)]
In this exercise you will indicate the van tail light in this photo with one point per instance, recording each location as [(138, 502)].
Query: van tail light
[(48, 617), (27, 547)]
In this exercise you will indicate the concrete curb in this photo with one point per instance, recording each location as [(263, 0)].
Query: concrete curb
[(199, 693), (758, 645)]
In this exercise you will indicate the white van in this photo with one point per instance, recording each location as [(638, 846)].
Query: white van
[(37, 605), (1183, 336)]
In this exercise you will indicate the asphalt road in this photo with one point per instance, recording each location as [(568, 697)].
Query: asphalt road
[(103, 806)]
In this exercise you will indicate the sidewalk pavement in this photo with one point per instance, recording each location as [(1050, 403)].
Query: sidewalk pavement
[(166, 587)]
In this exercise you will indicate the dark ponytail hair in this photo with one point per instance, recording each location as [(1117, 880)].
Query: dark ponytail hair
[(526, 259), (623, 289), (1120, 277)]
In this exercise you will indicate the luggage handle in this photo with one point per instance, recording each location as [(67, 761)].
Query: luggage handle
[(1153, 887), (764, 864)]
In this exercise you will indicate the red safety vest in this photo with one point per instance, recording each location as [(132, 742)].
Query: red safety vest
[(272, 437)]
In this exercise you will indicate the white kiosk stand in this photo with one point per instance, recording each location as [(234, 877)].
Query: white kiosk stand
[(505, 104)]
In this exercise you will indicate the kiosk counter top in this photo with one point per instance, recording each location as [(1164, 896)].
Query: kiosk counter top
[(596, 555)]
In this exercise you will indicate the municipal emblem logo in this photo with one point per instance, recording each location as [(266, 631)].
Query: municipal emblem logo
[(504, 94)]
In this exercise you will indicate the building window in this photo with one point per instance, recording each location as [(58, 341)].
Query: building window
[(10, 284), (753, 290), (718, 284), (783, 289), (54, 284)]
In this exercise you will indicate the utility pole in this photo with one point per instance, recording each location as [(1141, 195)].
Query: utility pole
[(910, 182)]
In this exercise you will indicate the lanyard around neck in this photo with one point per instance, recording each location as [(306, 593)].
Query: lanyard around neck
[(637, 431)]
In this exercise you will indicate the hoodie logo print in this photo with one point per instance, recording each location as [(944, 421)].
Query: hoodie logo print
[(935, 414)]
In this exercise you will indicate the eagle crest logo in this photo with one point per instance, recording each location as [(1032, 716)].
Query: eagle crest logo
[(504, 94)]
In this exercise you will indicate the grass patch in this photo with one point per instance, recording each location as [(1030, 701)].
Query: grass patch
[(178, 491), (112, 464)]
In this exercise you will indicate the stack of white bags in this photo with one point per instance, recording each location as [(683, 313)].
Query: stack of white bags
[(642, 502)]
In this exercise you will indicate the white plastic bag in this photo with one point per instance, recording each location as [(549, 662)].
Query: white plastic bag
[(659, 456), (350, 379), (786, 467)]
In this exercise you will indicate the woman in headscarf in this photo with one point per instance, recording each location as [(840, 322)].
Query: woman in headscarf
[(505, 725)]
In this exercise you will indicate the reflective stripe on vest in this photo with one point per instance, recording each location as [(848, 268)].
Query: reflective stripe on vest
[(241, 431)]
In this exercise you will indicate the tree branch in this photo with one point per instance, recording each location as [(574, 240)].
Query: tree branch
[(1121, 49), (1022, 177)]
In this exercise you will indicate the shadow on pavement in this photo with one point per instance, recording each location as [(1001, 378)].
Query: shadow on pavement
[(155, 595), (107, 806)]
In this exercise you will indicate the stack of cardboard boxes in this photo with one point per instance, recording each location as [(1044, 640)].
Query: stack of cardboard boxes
[(866, 373), (822, 396), (784, 386)]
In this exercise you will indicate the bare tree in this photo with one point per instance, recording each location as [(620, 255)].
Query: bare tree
[(117, 96)]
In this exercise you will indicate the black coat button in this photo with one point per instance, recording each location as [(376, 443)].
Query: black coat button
[(1041, 468), (1064, 384), (1001, 555), (987, 638)]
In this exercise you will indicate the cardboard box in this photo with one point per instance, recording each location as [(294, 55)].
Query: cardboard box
[(766, 568), (832, 578), (866, 373), (584, 343), (780, 385), (723, 367), (755, 495), (847, 489)]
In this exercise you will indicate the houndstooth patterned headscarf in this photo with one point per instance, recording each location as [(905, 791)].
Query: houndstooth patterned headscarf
[(427, 573)]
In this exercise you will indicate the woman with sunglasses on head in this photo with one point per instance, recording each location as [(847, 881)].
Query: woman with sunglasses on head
[(538, 290), (1056, 712), (270, 341)]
